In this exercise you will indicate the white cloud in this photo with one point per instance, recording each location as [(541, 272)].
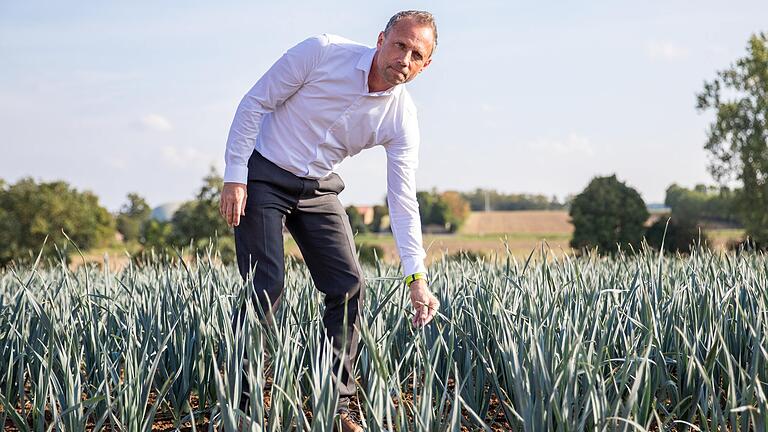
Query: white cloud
[(155, 122), (717, 49), (573, 144), (115, 162), (665, 50), (184, 157), (487, 108), (94, 76)]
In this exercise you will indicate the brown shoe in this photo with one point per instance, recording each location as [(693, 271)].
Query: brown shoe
[(242, 425), (346, 422)]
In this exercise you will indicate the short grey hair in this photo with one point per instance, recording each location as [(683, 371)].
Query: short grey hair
[(421, 17)]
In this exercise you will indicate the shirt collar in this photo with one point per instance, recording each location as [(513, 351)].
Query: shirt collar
[(364, 64)]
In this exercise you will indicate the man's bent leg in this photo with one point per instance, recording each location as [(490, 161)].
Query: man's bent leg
[(321, 229), (272, 193)]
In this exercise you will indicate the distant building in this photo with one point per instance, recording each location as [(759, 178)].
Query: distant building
[(366, 212), (657, 208), (165, 212)]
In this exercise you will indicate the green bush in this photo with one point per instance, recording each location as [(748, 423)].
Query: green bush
[(156, 234), (447, 209), (608, 214), (356, 220), (745, 245), (132, 217), (465, 255), (680, 235), (224, 247), (369, 253), (200, 218)]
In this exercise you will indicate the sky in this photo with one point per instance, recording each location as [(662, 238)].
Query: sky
[(521, 97)]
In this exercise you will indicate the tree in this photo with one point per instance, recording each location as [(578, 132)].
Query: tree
[(685, 204), (132, 216), (30, 212), (486, 199), (379, 211), (427, 200), (448, 209), (607, 214), (679, 230), (702, 203), (681, 234), (738, 137), (356, 220), (457, 209), (200, 220), (438, 211), (156, 234)]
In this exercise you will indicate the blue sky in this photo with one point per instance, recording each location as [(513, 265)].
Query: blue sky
[(521, 97)]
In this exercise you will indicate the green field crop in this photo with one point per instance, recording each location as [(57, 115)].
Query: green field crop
[(633, 342)]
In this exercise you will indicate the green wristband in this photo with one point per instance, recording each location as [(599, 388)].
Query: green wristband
[(415, 276)]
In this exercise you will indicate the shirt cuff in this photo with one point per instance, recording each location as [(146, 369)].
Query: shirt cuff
[(236, 174), (412, 265)]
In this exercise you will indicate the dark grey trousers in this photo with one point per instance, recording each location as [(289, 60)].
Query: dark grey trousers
[(313, 214)]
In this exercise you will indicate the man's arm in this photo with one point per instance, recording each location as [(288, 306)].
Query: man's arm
[(402, 161), (279, 83), (404, 208)]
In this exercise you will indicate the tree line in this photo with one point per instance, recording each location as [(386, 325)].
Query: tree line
[(55, 213), (491, 199)]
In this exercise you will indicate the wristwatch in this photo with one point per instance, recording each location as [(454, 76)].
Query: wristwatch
[(409, 279)]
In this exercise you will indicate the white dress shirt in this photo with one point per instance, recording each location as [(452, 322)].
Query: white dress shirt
[(312, 109)]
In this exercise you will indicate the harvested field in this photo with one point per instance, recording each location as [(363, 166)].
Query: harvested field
[(533, 222)]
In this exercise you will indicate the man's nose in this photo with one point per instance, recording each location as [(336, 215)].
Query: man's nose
[(405, 59)]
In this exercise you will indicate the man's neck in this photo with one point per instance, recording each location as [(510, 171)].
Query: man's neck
[(375, 83)]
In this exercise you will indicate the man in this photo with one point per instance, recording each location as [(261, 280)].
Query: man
[(325, 99)]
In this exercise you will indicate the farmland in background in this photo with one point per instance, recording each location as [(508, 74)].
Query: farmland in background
[(486, 233), (539, 222)]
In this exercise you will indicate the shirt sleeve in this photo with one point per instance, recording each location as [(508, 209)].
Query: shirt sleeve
[(402, 161), (280, 82)]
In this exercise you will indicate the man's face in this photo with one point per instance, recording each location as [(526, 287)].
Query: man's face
[(404, 52)]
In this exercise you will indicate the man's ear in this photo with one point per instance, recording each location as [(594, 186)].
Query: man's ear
[(427, 63), (380, 41)]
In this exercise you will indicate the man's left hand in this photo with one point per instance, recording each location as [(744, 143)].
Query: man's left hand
[(424, 303)]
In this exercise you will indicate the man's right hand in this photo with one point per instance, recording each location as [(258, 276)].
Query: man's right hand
[(232, 205), (425, 304)]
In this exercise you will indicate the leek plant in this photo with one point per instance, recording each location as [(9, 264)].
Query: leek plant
[(637, 341)]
